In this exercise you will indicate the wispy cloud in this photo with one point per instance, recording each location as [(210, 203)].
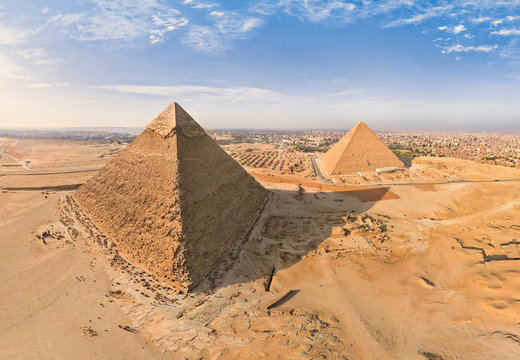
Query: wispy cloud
[(203, 93), (126, 21), (453, 29), (418, 18), (307, 10), (481, 19), (507, 32), (252, 96), (44, 85), (120, 20), (165, 22), (227, 26), (467, 18), (511, 50), (458, 48), (38, 56), (227, 105), (200, 4)]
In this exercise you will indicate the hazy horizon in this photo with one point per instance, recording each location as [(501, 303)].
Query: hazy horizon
[(138, 129)]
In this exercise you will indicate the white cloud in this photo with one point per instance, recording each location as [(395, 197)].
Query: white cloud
[(458, 29), (32, 53), (511, 50), (509, 18), (469, 13), (352, 92), (307, 10), (507, 32), (203, 93), (459, 48), (418, 18), (227, 26), (328, 82), (454, 30), (44, 85), (120, 21), (205, 39), (165, 23), (198, 4), (125, 21), (481, 19), (246, 106), (38, 57)]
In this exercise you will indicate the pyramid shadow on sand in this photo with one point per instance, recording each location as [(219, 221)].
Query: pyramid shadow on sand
[(407, 160), (281, 240)]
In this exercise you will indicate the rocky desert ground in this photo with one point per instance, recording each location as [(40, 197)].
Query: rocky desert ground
[(418, 264)]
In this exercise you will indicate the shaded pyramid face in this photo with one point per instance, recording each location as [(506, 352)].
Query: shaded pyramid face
[(174, 202), (360, 150)]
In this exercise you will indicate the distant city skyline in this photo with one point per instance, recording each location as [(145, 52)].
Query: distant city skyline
[(274, 64)]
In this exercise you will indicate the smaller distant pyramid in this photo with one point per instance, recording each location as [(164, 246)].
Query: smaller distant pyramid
[(360, 150)]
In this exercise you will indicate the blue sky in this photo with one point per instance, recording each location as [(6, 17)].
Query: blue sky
[(284, 64)]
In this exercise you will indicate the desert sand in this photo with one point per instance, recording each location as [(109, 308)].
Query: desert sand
[(419, 264)]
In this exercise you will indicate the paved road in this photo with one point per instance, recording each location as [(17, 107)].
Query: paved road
[(318, 171), (50, 172), (460, 181), (319, 183)]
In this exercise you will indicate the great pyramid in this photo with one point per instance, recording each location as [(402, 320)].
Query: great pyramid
[(173, 201), (360, 150)]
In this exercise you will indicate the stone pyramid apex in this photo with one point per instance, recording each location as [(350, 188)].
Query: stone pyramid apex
[(173, 119), (361, 126)]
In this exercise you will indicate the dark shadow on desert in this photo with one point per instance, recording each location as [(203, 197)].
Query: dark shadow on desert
[(290, 228)]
